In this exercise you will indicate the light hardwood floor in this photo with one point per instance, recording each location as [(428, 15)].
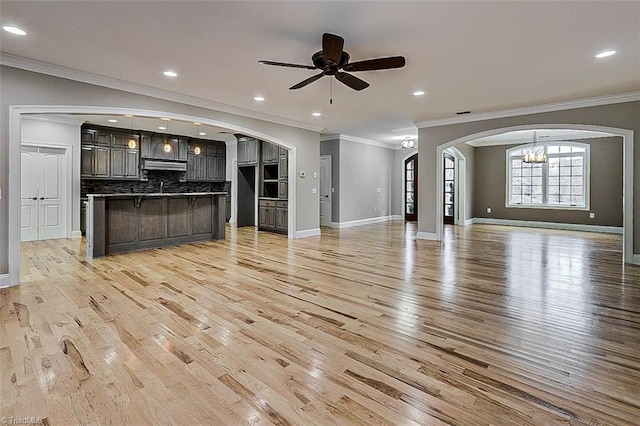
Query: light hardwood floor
[(496, 325)]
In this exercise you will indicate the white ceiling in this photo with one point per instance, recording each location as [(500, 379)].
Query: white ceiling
[(477, 56)]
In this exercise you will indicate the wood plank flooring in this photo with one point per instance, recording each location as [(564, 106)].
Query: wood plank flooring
[(366, 325)]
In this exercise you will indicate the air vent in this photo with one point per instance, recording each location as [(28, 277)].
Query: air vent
[(463, 112)]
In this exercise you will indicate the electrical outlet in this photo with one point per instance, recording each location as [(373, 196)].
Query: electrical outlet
[(313, 191), (333, 190), (592, 215), (378, 190), (488, 209), (375, 209)]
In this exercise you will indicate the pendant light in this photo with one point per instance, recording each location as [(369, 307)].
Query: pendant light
[(166, 146), (132, 143), (536, 153), (197, 150)]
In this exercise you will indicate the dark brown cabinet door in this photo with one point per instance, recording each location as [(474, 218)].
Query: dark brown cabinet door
[(101, 157), (86, 161), (117, 162), (132, 164)]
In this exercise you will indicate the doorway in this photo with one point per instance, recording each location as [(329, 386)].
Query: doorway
[(246, 198), (43, 193), (449, 188), (411, 188), (325, 190)]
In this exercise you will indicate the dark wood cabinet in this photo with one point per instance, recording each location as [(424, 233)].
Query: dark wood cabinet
[(206, 161), (109, 154), (273, 215), (247, 151), (269, 153)]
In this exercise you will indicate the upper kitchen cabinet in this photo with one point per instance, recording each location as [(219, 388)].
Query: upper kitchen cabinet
[(247, 151), (269, 153), (163, 147), (109, 153), (206, 160)]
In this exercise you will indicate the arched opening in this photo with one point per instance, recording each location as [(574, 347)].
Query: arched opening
[(627, 137), (16, 114)]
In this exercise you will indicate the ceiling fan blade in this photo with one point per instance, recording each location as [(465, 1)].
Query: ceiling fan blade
[(332, 48), (376, 64), (352, 81), (307, 81), (284, 64)]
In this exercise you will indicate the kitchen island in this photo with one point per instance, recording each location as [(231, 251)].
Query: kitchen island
[(118, 223)]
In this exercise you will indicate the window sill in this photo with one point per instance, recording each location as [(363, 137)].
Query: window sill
[(546, 207)]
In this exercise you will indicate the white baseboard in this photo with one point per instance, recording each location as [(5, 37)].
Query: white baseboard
[(397, 217), (307, 233), (361, 222), (636, 259), (426, 235), (76, 234), (468, 222), (549, 225), (5, 281)]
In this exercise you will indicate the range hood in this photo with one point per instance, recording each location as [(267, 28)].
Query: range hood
[(166, 165)]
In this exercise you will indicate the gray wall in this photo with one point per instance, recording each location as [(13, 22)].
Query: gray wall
[(623, 116), (363, 169), (332, 147), (21, 87), (605, 180)]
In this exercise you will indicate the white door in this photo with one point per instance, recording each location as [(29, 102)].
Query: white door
[(325, 190), (44, 193)]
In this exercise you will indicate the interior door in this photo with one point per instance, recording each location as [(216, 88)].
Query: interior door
[(411, 188), (29, 194), (325, 190), (449, 188), (44, 193)]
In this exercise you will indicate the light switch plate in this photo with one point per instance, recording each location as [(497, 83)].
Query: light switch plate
[(313, 191)]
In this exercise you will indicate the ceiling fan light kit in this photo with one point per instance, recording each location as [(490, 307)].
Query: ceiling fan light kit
[(332, 60)]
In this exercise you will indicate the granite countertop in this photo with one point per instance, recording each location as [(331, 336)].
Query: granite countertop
[(273, 198), (156, 194)]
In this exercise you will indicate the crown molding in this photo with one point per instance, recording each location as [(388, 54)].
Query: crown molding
[(140, 89), (368, 142), (330, 137), (536, 109)]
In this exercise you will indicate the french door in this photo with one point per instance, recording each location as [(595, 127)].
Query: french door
[(449, 188), (411, 188), (43, 188)]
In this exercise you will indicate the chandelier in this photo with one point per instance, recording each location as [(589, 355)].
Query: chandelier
[(536, 153)]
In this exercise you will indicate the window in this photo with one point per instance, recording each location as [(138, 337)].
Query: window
[(561, 182)]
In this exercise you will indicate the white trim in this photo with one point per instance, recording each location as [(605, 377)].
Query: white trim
[(420, 235), (636, 259), (76, 234), (330, 137), (15, 123), (468, 222), (627, 184), (396, 217), (5, 281), (361, 222), (112, 83), (307, 233), (537, 109), (549, 225), (57, 119)]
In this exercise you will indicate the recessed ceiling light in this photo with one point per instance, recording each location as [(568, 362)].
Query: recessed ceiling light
[(258, 98), (316, 114), (202, 134), (418, 93), (128, 115), (165, 119), (14, 30), (197, 124), (170, 73), (112, 120), (606, 53), (162, 128)]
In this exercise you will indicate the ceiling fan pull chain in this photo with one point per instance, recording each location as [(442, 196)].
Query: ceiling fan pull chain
[(331, 92)]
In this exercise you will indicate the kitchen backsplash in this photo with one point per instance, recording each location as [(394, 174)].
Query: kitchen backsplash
[(171, 185)]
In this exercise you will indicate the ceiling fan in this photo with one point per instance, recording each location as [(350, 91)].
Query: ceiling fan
[(332, 60)]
